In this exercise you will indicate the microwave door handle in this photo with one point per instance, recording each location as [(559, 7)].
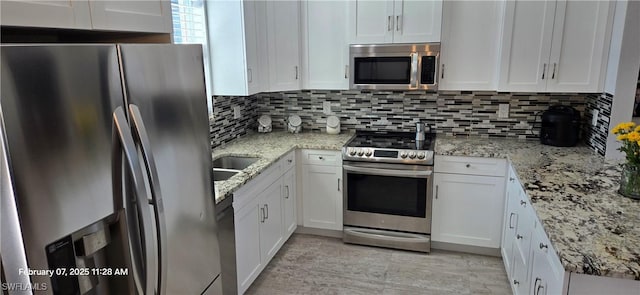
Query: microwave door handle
[(414, 70), (388, 172), (143, 264), (156, 197)]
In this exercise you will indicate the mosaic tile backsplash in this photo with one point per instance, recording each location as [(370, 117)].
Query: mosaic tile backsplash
[(450, 113), (222, 125), (596, 137)]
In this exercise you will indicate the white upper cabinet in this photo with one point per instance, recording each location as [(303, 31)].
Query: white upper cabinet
[(50, 14), (470, 45), (580, 46), (237, 35), (325, 50), (283, 38), (417, 21), (551, 46), (396, 21), (134, 16)]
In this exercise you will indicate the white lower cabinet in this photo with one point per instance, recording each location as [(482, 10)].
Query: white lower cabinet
[(264, 219), (289, 218), (322, 189), (467, 209), (532, 265)]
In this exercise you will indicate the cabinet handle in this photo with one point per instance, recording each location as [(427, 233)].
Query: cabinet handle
[(250, 72), (538, 289), (516, 282), (338, 184), (553, 75), (544, 69), (436, 192), (468, 165), (544, 246), (523, 203), (296, 67), (511, 219), (511, 179), (266, 210), (289, 160), (442, 72), (535, 285), (519, 237), (287, 195), (389, 24), (346, 71), (397, 23), (321, 157), (262, 215)]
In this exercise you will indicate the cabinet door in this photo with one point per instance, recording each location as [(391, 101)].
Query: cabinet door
[(322, 197), (289, 202), (526, 44), (470, 45), (325, 50), (468, 209), (510, 220), (371, 21), (580, 46), (136, 16), (417, 21), (49, 14), (247, 229), (283, 45), (271, 233), (255, 42), (519, 278)]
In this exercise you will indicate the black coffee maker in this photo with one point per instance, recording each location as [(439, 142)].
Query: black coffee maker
[(560, 126)]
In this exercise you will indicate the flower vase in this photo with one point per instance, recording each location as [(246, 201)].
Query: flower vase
[(630, 181)]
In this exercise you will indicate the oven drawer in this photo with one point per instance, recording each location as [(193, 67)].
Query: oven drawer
[(470, 165), (321, 157)]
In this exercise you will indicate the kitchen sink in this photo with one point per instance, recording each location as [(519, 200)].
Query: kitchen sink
[(219, 175), (234, 162)]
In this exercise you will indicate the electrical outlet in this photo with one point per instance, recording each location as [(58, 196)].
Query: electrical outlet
[(326, 107), (503, 110), (236, 112), (594, 117)]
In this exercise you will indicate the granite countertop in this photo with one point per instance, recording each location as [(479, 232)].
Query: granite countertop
[(573, 191), (269, 148)]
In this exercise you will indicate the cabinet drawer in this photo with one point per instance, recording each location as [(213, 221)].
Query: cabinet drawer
[(288, 161), (542, 245), (320, 157), (470, 165)]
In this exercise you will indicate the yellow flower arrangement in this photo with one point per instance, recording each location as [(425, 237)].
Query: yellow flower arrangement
[(629, 134)]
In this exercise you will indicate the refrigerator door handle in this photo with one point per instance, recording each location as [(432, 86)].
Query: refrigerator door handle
[(142, 261), (158, 208), (12, 244)]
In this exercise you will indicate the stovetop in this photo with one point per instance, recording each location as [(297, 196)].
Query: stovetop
[(391, 140), (390, 147)]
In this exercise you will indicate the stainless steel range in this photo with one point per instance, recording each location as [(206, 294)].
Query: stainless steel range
[(388, 189)]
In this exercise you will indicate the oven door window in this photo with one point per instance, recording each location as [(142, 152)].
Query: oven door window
[(401, 196), (382, 70)]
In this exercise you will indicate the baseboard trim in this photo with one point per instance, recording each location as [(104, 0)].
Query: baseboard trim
[(466, 248), (319, 232)]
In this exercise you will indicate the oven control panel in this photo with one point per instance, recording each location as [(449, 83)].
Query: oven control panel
[(388, 155)]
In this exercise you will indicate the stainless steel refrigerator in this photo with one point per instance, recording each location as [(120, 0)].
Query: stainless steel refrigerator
[(106, 171)]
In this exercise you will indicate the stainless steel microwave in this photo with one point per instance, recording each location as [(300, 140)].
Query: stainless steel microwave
[(394, 66)]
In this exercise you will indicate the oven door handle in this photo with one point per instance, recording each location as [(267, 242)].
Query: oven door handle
[(389, 172)]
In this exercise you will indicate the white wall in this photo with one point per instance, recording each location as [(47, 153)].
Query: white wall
[(622, 71)]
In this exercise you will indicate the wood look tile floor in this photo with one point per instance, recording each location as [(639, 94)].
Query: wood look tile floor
[(309, 264)]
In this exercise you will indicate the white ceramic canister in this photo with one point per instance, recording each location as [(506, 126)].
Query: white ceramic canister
[(294, 124), (333, 125), (264, 124)]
